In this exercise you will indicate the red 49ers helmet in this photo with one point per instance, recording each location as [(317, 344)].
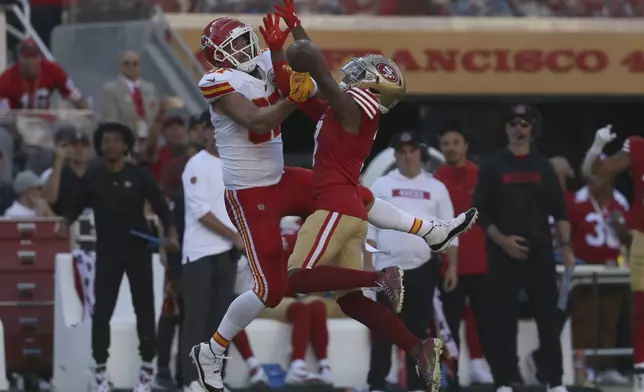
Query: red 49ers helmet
[(222, 48)]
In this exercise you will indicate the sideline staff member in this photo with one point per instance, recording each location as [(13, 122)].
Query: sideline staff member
[(418, 193), (459, 175), (516, 192), (117, 190)]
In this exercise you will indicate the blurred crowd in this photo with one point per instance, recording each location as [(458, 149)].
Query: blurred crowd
[(463, 8)]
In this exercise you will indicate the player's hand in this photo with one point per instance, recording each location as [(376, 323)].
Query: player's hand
[(273, 35), (239, 242), (61, 153), (302, 86), (514, 246), (171, 244), (604, 136), (286, 11), (568, 257), (450, 278)]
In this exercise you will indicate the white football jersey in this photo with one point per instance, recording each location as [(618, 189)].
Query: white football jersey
[(248, 160)]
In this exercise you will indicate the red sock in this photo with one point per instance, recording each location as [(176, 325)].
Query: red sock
[(299, 314), (379, 319), (243, 345), (471, 334), (637, 328), (326, 278), (319, 331)]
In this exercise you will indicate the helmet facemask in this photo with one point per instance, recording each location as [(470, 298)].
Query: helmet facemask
[(355, 74), (248, 53)]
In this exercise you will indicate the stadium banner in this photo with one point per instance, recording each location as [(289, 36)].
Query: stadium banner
[(479, 56)]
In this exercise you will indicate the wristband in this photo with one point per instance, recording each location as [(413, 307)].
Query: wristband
[(315, 88)]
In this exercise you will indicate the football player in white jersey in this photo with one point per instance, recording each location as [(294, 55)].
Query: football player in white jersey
[(247, 109)]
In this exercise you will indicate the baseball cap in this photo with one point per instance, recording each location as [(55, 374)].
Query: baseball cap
[(453, 126), (29, 47), (79, 137), (26, 180), (173, 119), (526, 112), (407, 137)]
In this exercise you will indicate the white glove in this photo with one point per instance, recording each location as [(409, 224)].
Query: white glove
[(603, 136)]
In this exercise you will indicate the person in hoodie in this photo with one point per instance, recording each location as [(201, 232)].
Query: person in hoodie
[(459, 175)]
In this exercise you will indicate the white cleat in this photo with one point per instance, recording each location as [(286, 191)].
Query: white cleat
[(208, 366), (298, 374), (638, 380), (101, 380), (442, 233), (326, 375)]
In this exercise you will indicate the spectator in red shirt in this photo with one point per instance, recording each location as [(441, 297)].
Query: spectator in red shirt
[(30, 82), (174, 134), (459, 176)]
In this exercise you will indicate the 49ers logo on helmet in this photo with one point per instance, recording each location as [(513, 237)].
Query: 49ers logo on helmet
[(387, 72)]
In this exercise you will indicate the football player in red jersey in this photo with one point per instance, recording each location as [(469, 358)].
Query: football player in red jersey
[(328, 251), (630, 157), (247, 111), (29, 83)]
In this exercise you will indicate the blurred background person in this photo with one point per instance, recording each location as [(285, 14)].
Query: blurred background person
[(30, 82), (117, 190), (418, 193), (72, 158), (516, 192), (7, 194), (130, 100), (596, 242), (211, 247), (166, 142), (29, 203), (459, 176)]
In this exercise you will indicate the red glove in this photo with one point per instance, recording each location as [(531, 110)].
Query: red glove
[(287, 12), (273, 35)]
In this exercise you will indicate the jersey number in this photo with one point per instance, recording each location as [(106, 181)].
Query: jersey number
[(37, 100), (256, 138), (603, 235)]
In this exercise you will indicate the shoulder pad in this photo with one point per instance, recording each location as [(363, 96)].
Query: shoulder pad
[(217, 83), (366, 100)]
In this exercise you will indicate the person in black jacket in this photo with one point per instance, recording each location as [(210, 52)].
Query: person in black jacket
[(116, 190), (517, 190)]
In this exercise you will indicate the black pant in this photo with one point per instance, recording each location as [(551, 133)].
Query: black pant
[(476, 289), (538, 276), (207, 293), (136, 263), (417, 314)]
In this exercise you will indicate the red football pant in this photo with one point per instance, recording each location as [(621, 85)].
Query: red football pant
[(257, 212)]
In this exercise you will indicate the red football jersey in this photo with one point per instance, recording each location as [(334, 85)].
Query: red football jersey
[(592, 238), (338, 157), (17, 92), (634, 146)]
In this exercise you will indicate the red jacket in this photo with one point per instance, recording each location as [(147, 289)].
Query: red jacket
[(460, 183)]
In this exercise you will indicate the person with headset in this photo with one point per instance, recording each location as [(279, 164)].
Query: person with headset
[(417, 192), (517, 191)]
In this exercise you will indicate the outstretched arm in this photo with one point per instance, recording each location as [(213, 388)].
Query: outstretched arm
[(304, 56)]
